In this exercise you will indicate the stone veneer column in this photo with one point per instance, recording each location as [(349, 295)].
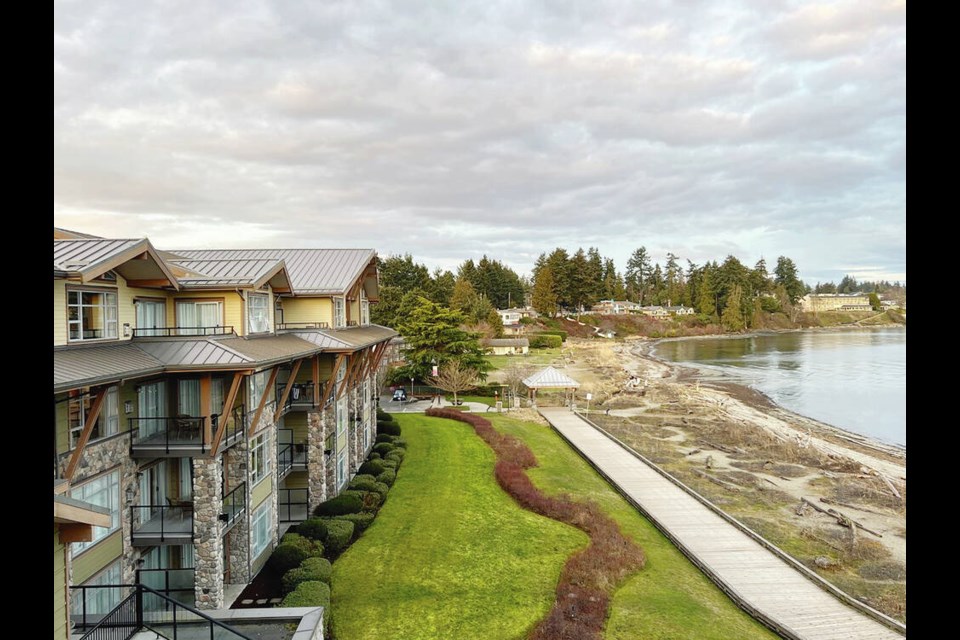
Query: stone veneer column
[(353, 434), (316, 461), (208, 545), (329, 421), (238, 540)]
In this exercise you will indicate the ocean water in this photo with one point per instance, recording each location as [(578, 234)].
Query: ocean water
[(854, 379)]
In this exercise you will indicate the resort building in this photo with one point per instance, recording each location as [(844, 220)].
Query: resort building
[(835, 302), (202, 399), (615, 307)]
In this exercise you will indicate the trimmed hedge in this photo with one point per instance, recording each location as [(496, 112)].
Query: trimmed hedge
[(344, 503), (555, 332), (397, 454), (360, 521), (389, 428), (318, 569), (367, 483), (373, 456), (312, 547), (287, 556), (371, 500), (400, 442), (388, 477), (383, 415), (311, 593), (389, 463), (371, 467), (545, 341), (385, 437), (383, 448), (314, 528), (339, 534)]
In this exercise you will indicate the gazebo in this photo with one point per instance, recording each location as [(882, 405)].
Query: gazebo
[(550, 378)]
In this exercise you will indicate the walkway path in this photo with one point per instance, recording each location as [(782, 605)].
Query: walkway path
[(757, 579)]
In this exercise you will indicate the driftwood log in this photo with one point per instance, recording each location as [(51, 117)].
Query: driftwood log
[(717, 481), (849, 506), (842, 520)]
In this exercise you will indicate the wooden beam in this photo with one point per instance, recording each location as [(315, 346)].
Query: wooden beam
[(227, 410), (333, 378), (316, 380), (286, 389), (263, 400), (75, 533), (160, 282), (91, 420), (205, 407), (354, 358), (379, 356), (358, 362), (71, 514)]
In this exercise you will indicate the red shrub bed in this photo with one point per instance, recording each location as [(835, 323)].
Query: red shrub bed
[(589, 576)]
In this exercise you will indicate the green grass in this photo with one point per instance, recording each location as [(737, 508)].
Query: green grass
[(450, 555), (536, 357), (670, 597)]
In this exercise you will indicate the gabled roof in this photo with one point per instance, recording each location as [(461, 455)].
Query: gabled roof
[(192, 352), (254, 272), (311, 271), (550, 377), (359, 337), (91, 258), (60, 233)]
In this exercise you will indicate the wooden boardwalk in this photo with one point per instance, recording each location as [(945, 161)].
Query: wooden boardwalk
[(767, 586)]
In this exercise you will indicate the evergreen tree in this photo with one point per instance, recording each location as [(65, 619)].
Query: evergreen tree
[(441, 287), (707, 299), (674, 281), (786, 275), (402, 272), (732, 318), (544, 297), (638, 270), (433, 336)]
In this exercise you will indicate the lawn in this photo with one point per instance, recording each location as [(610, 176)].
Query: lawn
[(450, 555), (536, 358), (670, 597)]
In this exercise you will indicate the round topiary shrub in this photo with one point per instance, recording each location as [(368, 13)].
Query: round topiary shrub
[(383, 415), (382, 488), (339, 534), (383, 448), (287, 556), (362, 485), (360, 521), (314, 528), (373, 467), (389, 428), (311, 593), (371, 500), (373, 456), (312, 569), (384, 437), (399, 442), (388, 477), (344, 503), (389, 463), (397, 454)]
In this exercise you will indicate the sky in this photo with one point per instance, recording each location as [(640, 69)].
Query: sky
[(450, 130)]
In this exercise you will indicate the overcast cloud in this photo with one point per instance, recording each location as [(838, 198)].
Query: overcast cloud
[(450, 130)]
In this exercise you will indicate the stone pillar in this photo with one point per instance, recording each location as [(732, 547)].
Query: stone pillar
[(208, 545), (353, 433), (329, 422), (316, 461), (238, 540)]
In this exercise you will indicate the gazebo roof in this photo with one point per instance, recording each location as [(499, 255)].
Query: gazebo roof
[(550, 378)]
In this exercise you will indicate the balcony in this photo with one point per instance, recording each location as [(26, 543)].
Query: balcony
[(173, 583), (298, 326), (233, 506), (290, 456), (159, 525), (300, 397), (293, 505), (181, 436), (180, 332)]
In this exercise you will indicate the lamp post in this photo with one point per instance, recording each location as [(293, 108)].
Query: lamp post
[(410, 395)]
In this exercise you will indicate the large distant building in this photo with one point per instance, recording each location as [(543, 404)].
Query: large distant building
[(201, 400), (835, 302)]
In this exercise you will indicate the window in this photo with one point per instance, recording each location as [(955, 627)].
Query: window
[(339, 313), (260, 534), (257, 386), (151, 315), (91, 315), (195, 315), (258, 313), (108, 423), (342, 415), (342, 469), (99, 601), (188, 397), (364, 308), (259, 458), (103, 491)]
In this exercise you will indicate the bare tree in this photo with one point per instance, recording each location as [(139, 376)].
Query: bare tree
[(513, 377), (454, 377)]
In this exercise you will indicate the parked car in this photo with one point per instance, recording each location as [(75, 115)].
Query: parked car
[(400, 395)]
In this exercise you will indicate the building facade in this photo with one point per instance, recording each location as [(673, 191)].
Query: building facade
[(835, 302), (204, 399)]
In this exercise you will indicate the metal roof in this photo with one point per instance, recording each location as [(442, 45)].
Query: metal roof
[(311, 271), (321, 340), (192, 352), (90, 258), (78, 255), (270, 348), (550, 377), (506, 342), (226, 272), (358, 337), (88, 365)]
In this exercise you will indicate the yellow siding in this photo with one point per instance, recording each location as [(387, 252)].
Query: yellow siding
[(59, 312), (261, 492), (63, 440), (326, 366), (59, 587), (296, 480), (308, 310), (127, 313), (97, 557), (232, 307), (297, 422)]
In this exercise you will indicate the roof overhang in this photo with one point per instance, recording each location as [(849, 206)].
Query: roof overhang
[(140, 265)]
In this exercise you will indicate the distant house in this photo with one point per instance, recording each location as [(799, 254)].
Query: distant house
[(514, 329), (835, 302), (680, 311), (506, 346), (654, 310), (615, 307)]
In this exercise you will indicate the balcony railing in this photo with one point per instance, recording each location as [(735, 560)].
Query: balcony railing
[(179, 332), (293, 505), (156, 524), (300, 397), (292, 326), (173, 583), (179, 435), (91, 604), (233, 506)]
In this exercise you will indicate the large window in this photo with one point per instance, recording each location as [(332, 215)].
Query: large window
[(342, 469), (364, 308), (258, 313), (108, 423), (199, 314), (151, 316), (259, 458), (260, 529), (91, 315), (339, 313), (257, 386), (98, 601), (103, 491)]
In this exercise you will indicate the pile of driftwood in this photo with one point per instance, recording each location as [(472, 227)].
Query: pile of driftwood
[(842, 519)]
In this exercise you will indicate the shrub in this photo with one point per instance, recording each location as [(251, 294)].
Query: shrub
[(360, 521), (382, 488), (397, 454), (365, 476), (344, 503), (545, 341), (373, 456), (383, 415), (314, 528), (312, 569), (555, 332), (400, 442), (371, 467), (311, 593), (371, 500), (527, 320), (362, 484), (385, 437), (312, 547), (388, 477), (389, 428), (389, 463), (287, 556), (339, 534), (383, 448)]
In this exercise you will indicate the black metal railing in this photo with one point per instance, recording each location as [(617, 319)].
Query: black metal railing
[(176, 332), (293, 505), (233, 506), (300, 396), (173, 583), (121, 623), (153, 523), (90, 604), (290, 326), (236, 424), (180, 431)]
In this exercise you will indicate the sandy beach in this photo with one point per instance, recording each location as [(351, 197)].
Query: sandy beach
[(833, 499)]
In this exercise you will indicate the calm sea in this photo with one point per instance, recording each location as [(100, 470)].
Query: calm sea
[(853, 379)]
